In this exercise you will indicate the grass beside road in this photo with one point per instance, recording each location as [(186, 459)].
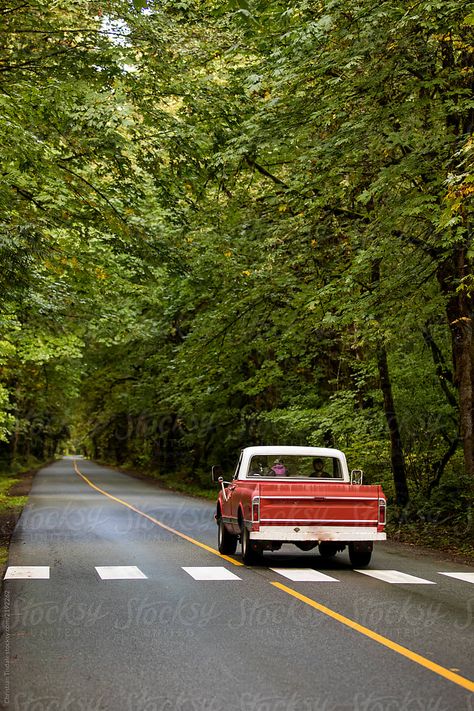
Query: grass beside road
[(186, 486), (15, 486), (455, 541)]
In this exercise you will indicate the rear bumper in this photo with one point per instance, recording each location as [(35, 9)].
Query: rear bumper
[(318, 533)]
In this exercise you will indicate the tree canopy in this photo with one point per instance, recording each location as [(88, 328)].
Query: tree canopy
[(230, 223)]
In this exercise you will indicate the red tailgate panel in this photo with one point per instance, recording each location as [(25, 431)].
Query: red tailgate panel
[(309, 503)]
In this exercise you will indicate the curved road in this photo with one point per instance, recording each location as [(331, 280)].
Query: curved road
[(175, 636)]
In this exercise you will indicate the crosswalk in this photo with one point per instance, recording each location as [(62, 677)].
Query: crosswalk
[(467, 577), (36, 572), (304, 575), (120, 572), (215, 572), (395, 577), (221, 573)]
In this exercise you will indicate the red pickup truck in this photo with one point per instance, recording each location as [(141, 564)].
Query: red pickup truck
[(299, 495)]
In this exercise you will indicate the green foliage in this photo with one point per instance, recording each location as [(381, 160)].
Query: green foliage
[(6, 420), (216, 216)]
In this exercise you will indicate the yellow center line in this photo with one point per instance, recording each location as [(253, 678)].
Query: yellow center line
[(413, 656), (155, 520)]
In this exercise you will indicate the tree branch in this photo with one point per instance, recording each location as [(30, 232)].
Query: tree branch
[(96, 190), (265, 172), (444, 374), (440, 466), (28, 196)]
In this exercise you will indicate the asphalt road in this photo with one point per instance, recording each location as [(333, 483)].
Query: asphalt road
[(77, 642)]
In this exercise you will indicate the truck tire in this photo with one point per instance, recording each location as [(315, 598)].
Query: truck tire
[(226, 542), (359, 557), (250, 556)]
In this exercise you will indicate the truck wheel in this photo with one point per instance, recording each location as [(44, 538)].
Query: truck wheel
[(327, 549), (226, 542), (250, 556), (359, 558)]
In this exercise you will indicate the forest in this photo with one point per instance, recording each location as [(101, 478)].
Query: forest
[(237, 222)]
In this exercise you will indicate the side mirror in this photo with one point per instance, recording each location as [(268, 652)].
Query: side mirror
[(356, 476), (217, 472)]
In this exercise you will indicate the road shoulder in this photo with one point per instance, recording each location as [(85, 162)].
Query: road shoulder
[(13, 501)]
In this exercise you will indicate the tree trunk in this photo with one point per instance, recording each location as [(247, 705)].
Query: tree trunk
[(459, 313), (15, 442), (396, 454)]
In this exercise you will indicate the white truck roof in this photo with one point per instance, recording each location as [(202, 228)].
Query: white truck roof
[(296, 451)]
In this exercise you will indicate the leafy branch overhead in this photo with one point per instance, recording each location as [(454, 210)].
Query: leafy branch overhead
[(225, 224)]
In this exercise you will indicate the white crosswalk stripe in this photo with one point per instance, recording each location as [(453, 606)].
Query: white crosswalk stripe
[(211, 573), (36, 572), (395, 577), (466, 577), (120, 572), (304, 575)]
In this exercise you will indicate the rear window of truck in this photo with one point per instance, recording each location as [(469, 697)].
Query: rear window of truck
[(294, 467)]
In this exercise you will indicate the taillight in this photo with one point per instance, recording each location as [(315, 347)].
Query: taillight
[(256, 509), (382, 510)]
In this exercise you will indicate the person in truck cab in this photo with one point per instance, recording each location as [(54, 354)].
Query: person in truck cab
[(278, 468), (318, 469)]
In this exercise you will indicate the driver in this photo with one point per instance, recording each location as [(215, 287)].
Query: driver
[(318, 469)]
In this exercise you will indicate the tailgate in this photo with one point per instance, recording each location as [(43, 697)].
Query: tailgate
[(310, 503)]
